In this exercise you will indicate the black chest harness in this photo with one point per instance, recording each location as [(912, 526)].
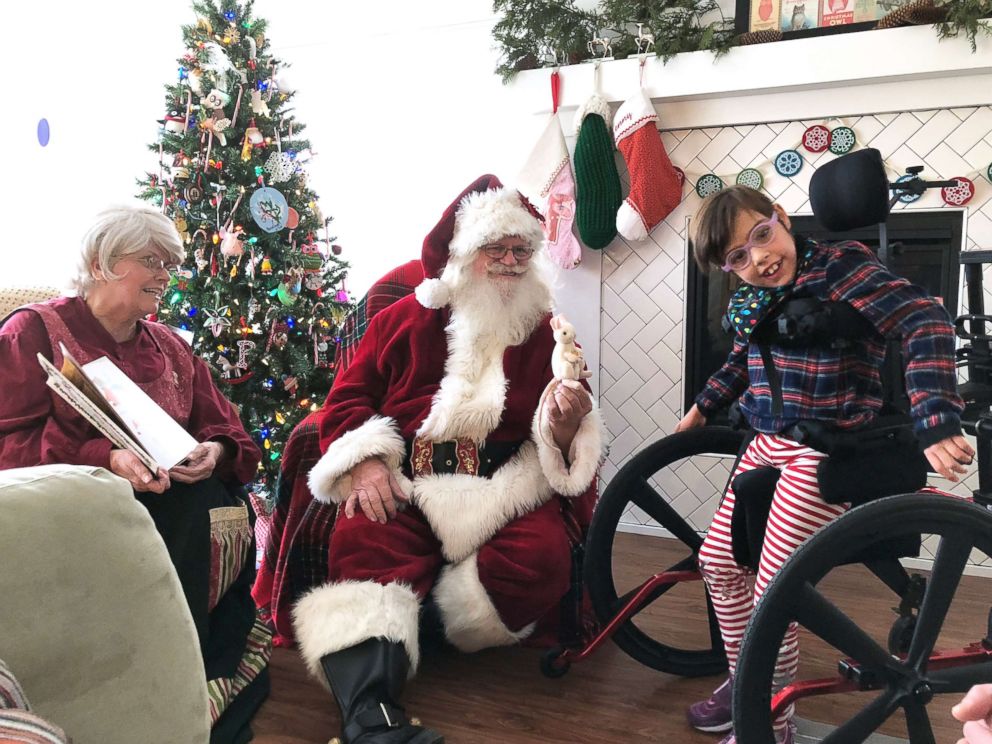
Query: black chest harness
[(886, 448)]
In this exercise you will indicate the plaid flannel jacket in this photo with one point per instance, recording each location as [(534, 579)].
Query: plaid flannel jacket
[(843, 386)]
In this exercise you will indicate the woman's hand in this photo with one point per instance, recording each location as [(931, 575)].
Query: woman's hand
[(127, 465), (567, 405), (200, 464), (950, 456), (975, 711), (375, 490), (691, 420)]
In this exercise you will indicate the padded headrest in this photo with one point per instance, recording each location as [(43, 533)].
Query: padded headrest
[(851, 191)]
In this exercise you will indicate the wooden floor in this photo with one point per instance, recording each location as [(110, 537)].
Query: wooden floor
[(501, 696)]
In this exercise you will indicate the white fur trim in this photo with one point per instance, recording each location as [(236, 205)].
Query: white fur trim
[(586, 453), (629, 222), (333, 617), (485, 216), (594, 104), (330, 479), (636, 112), (471, 622), (433, 294), (465, 511)]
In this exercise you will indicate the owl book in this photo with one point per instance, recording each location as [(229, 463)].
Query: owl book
[(799, 15)]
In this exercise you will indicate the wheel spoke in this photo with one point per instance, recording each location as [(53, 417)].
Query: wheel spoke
[(659, 510), (952, 554), (960, 679), (859, 728), (819, 615), (918, 724)]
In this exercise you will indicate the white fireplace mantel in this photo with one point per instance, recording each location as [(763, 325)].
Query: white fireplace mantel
[(894, 69)]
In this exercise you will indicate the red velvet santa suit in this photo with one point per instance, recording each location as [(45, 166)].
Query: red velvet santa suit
[(492, 552)]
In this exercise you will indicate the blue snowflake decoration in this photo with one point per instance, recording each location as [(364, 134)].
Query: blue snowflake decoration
[(788, 163), (708, 184), (842, 140), (906, 197), (750, 177)]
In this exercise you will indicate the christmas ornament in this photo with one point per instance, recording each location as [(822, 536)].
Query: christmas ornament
[(290, 384), (906, 197), (336, 249), (266, 267), (217, 319), (278, 336), (988, 173), (280, 167), (193, 193), (654, 186), (816, 138), (309, 258), (258, 106), (292, 219), (597, 184), (709, 184), (253, 307), (547, 180), (313, 282), (174, 123), (269, 209), (842, 140), (788, 162), (231, 244), (958, 196), (750, 177)]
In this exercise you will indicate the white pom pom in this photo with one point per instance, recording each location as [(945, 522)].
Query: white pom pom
[(433, 294)]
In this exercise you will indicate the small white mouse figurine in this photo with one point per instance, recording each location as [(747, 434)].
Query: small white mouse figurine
[(567, 360)]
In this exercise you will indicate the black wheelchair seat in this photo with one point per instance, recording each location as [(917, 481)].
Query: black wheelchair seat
[(881, 459)]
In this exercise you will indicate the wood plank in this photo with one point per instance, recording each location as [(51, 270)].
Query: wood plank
[(499, 695)]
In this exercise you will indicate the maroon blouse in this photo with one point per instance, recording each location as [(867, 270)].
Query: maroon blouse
[(36, 429)]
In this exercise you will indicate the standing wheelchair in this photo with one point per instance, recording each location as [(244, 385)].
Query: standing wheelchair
[(894, 521)]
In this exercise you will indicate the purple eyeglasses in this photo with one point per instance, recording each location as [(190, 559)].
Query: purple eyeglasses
[(761, 234)]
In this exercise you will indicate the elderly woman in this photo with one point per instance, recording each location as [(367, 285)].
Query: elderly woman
[(197, 506)]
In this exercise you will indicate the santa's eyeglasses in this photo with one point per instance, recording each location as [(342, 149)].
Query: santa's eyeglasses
[(497, 251)]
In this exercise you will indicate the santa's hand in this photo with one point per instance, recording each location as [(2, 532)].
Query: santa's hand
[(976, 713), (950, 456), (127, 465), (567, 406), (374, 489)]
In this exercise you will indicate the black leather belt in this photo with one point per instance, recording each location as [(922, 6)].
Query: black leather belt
[(456, 456)]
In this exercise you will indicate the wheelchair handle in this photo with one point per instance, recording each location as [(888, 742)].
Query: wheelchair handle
[(960, 332)]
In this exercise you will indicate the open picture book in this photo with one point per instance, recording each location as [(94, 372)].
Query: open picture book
[(120, 410)]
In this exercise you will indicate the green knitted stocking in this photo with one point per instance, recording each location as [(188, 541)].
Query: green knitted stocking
[(597, 184)]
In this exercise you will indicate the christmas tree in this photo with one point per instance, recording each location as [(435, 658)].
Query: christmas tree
[(262, 290)]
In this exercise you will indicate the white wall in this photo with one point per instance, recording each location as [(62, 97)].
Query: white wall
[(401, 104)]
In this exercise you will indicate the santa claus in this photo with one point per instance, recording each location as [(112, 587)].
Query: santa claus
[(448, 469)]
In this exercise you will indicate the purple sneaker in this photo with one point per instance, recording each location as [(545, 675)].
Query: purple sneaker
[(713, 715)]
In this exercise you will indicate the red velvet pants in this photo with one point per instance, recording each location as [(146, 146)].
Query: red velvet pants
[(525, 567)]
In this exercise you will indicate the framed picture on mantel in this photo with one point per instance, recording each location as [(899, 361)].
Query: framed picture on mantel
[(797, 19)]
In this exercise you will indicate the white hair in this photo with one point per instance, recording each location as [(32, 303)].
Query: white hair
[(119, 232)]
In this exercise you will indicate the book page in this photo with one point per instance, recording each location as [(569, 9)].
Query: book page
[(89, 410), (159, 433)]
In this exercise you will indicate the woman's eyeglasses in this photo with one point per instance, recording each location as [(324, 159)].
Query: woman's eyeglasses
[(761, 234), (497, 251), (155, 264)]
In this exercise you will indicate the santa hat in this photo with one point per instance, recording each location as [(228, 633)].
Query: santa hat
[(484, 212)]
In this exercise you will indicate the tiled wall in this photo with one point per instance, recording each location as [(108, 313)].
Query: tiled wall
[(643, 295)]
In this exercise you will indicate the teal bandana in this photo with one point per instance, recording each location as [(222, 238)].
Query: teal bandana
[(750, 304)]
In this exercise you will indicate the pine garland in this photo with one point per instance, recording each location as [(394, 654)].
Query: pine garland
[(968, 17), (536, 33)]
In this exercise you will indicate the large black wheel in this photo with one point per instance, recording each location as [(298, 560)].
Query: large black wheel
[(954, 529), (660, 635)]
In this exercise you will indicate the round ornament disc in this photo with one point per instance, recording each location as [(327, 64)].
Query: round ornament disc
[(788, 162), (842, 140), (958, 196), (816, 138), (193, 193), (269, 209), (907, 198), (708, 184), (750, 177)]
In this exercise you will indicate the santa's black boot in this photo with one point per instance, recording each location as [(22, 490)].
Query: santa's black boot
[(367, 680)]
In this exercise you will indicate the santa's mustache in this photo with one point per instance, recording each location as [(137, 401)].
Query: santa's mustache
[(504, 270)]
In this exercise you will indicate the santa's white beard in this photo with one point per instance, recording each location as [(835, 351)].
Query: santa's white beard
[(501, 308)]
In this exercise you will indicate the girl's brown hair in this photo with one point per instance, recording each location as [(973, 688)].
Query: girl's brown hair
[(713, 225)]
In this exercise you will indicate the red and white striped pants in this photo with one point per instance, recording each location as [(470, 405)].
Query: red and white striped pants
[(797, 512)]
